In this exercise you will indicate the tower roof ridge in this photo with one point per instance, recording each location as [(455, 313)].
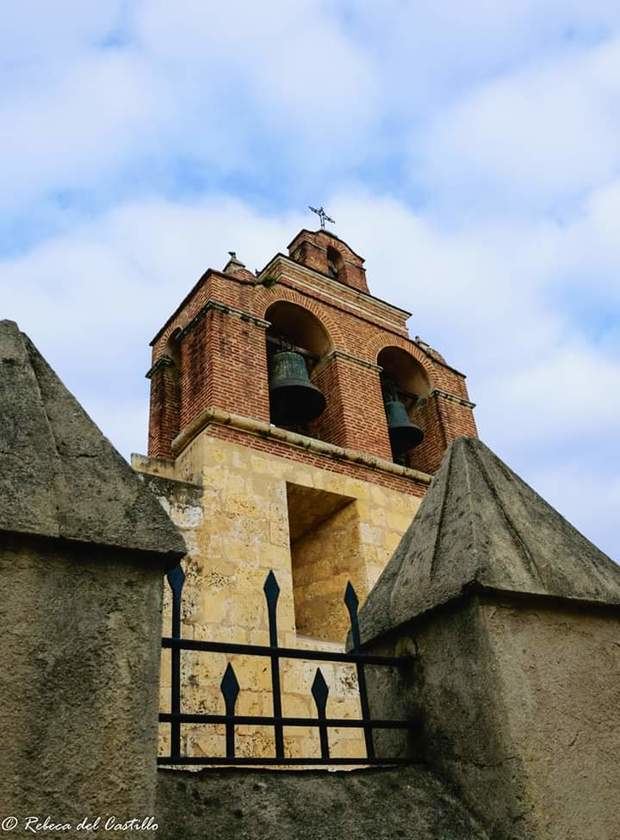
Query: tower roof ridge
[(59, 476), (481, 524)]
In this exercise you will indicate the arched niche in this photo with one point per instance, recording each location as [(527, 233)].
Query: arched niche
[(173, 348), (298, 328), (292, 327), (404, 378), (404, 371), (335, 263)]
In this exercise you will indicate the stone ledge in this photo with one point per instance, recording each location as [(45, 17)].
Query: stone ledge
[(225, 309), (438, 392), (163, 467), (261, 428), (383, 803), (347, 357), (163, 361)]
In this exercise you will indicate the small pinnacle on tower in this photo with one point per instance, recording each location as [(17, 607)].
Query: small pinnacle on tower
[(234, 264)]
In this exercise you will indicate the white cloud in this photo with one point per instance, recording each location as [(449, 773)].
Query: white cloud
[(38, 35), (542, 134), (74, 126), (121, 274), (319, 88)]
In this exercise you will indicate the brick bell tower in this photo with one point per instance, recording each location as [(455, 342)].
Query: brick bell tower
[(287, 408)]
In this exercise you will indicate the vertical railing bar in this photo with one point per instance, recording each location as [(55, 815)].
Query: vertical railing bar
[(176, 579), (272, 592), (230, 690), (320, 693), (351, 601)]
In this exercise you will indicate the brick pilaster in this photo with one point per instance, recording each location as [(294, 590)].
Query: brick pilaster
[(164, 407)]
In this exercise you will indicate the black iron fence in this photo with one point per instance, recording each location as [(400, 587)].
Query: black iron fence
[(230, 689)]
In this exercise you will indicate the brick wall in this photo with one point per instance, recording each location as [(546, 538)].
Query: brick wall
[(164, 420), (222, 357)]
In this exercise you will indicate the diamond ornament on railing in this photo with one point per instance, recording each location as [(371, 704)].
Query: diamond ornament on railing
[(320, 691), (271, 589), (350, 598), (230, 688)]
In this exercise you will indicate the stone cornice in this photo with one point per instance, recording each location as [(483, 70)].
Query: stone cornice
[(162, 362), (340, 292), (218, 306), (267, 430), (446, 395), (347, 357)]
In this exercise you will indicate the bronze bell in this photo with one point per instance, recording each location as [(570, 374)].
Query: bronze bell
[(294, 399), (404, 435)]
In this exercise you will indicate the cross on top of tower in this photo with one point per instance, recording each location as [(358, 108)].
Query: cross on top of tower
[(322, 216)]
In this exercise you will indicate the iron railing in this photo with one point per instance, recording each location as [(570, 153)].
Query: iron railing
[(230, 690)]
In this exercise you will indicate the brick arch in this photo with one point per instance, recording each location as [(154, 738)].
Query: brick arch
[(163, 340), (331, 326), (381, 342)]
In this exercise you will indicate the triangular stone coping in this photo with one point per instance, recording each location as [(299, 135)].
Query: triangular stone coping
[(481, 526), (59, 476)]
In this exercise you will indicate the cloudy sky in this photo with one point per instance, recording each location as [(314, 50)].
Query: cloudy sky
[(470, 151)]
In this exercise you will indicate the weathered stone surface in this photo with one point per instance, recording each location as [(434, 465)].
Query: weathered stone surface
[(59, 476), (408, 803), (480, 524), (518, 701), (79, 684)]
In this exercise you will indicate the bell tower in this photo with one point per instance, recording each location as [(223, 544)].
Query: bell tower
[(294, 427)]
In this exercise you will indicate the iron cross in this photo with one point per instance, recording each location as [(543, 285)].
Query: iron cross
[(322, 216)]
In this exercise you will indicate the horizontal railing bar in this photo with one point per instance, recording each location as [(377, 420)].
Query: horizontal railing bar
[(282, 652), (259, 720), (219, 760)]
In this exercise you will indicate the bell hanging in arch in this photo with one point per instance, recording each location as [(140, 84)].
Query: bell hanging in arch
[(404, 435), (293, 398)]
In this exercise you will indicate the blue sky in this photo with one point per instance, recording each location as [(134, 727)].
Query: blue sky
[(468, 150)]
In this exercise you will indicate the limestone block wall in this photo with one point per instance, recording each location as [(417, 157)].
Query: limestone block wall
[(324, 560), (249, 509)]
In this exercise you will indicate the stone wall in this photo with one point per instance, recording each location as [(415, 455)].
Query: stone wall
[(519, 697), (83, 549), (558, 672), (513, 619), (325, 558), (234, 509), (384, 804), (78, 688)]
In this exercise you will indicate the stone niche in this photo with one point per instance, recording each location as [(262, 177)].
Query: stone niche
[(324, 533)]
